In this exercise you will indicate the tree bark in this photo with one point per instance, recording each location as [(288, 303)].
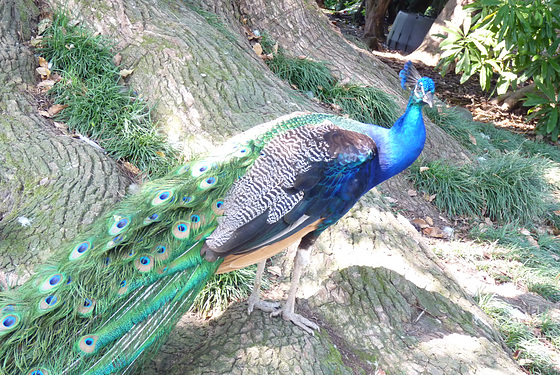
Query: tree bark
[(381, 296), (428, 52), (375, 19)]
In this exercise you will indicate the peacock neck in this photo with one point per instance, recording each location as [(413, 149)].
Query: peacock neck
[(402, 144)]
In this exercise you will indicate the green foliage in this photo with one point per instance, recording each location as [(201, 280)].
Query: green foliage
[(309, 76), (519, 41), (505, 188), (521, 337), (538, 265), (315, 79), (365, 104), (97, 105), (71, 47), (225, 288)]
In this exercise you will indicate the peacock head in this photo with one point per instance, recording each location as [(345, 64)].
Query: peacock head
[(424, 87), (424, 91)]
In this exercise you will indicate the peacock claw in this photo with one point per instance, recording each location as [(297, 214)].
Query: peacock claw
[(265, 306), (299, 320)]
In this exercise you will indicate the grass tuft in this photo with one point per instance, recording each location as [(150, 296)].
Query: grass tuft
[(505, 188), (521, 337), (315, 79), (98, 106), (225, 288), (365, 104)]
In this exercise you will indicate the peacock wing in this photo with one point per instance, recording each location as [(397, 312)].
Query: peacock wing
[(307, 176)]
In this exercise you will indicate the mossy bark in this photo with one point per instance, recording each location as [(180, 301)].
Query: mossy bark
[(51, 185), (380, 296)]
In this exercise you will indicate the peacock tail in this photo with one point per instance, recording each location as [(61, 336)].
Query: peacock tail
[(114, 295), (91, 309)]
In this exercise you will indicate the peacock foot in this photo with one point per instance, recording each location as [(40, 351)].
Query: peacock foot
[(300, 321), (265, 306)]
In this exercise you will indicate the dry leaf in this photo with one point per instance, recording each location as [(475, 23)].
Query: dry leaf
[(131, 168), (48, 83), (412, 193), (69, 46), (525, 361), (36, 41), (472, 139), (429, 220), (56, 108), (44, 72), (258, 49), (126, 72), (432, 197), (488, 221), (424, 169), (160, 153), (557, 213), (433, 232), (44, 113), (524, 232), (275, 49), (380, 372), (42, 62), (117, 59), (421, 223)]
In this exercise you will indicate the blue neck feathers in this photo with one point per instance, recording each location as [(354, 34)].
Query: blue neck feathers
[(401, 145)]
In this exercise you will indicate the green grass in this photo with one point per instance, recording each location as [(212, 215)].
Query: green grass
[(505, 188), (98, 105), (311, 77), (71, 47), (365, 104), (225, 288), (521, 337), (315, 80), (537, 257)]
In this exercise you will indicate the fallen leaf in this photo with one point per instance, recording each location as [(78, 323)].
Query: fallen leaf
[(42, 62), (429, 220), (432, 197), (117, 59), (557, 213), (131, 168), (524, 232), (160, 153), (44, 113), (412, 193), (525, 361), (472, 139), (275, 270), (36, 41), (421, 223), (44, 72), (43, 25), (56, 77), (69, 46), (48, 83), (126, 72), (258, 49), (433, 232), (424, 169), (488, 221), (56, 108), (275, 49), (380, 372)]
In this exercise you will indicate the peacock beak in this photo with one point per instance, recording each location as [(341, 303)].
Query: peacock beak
[(428, 98)]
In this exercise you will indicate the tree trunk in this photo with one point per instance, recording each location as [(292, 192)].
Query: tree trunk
[(380, 295), (375, 19), (428, 52)]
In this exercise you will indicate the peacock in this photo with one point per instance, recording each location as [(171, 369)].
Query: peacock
[(113, 296)]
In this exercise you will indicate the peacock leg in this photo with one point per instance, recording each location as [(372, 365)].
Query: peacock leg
[(254, 300), (287, 311)]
